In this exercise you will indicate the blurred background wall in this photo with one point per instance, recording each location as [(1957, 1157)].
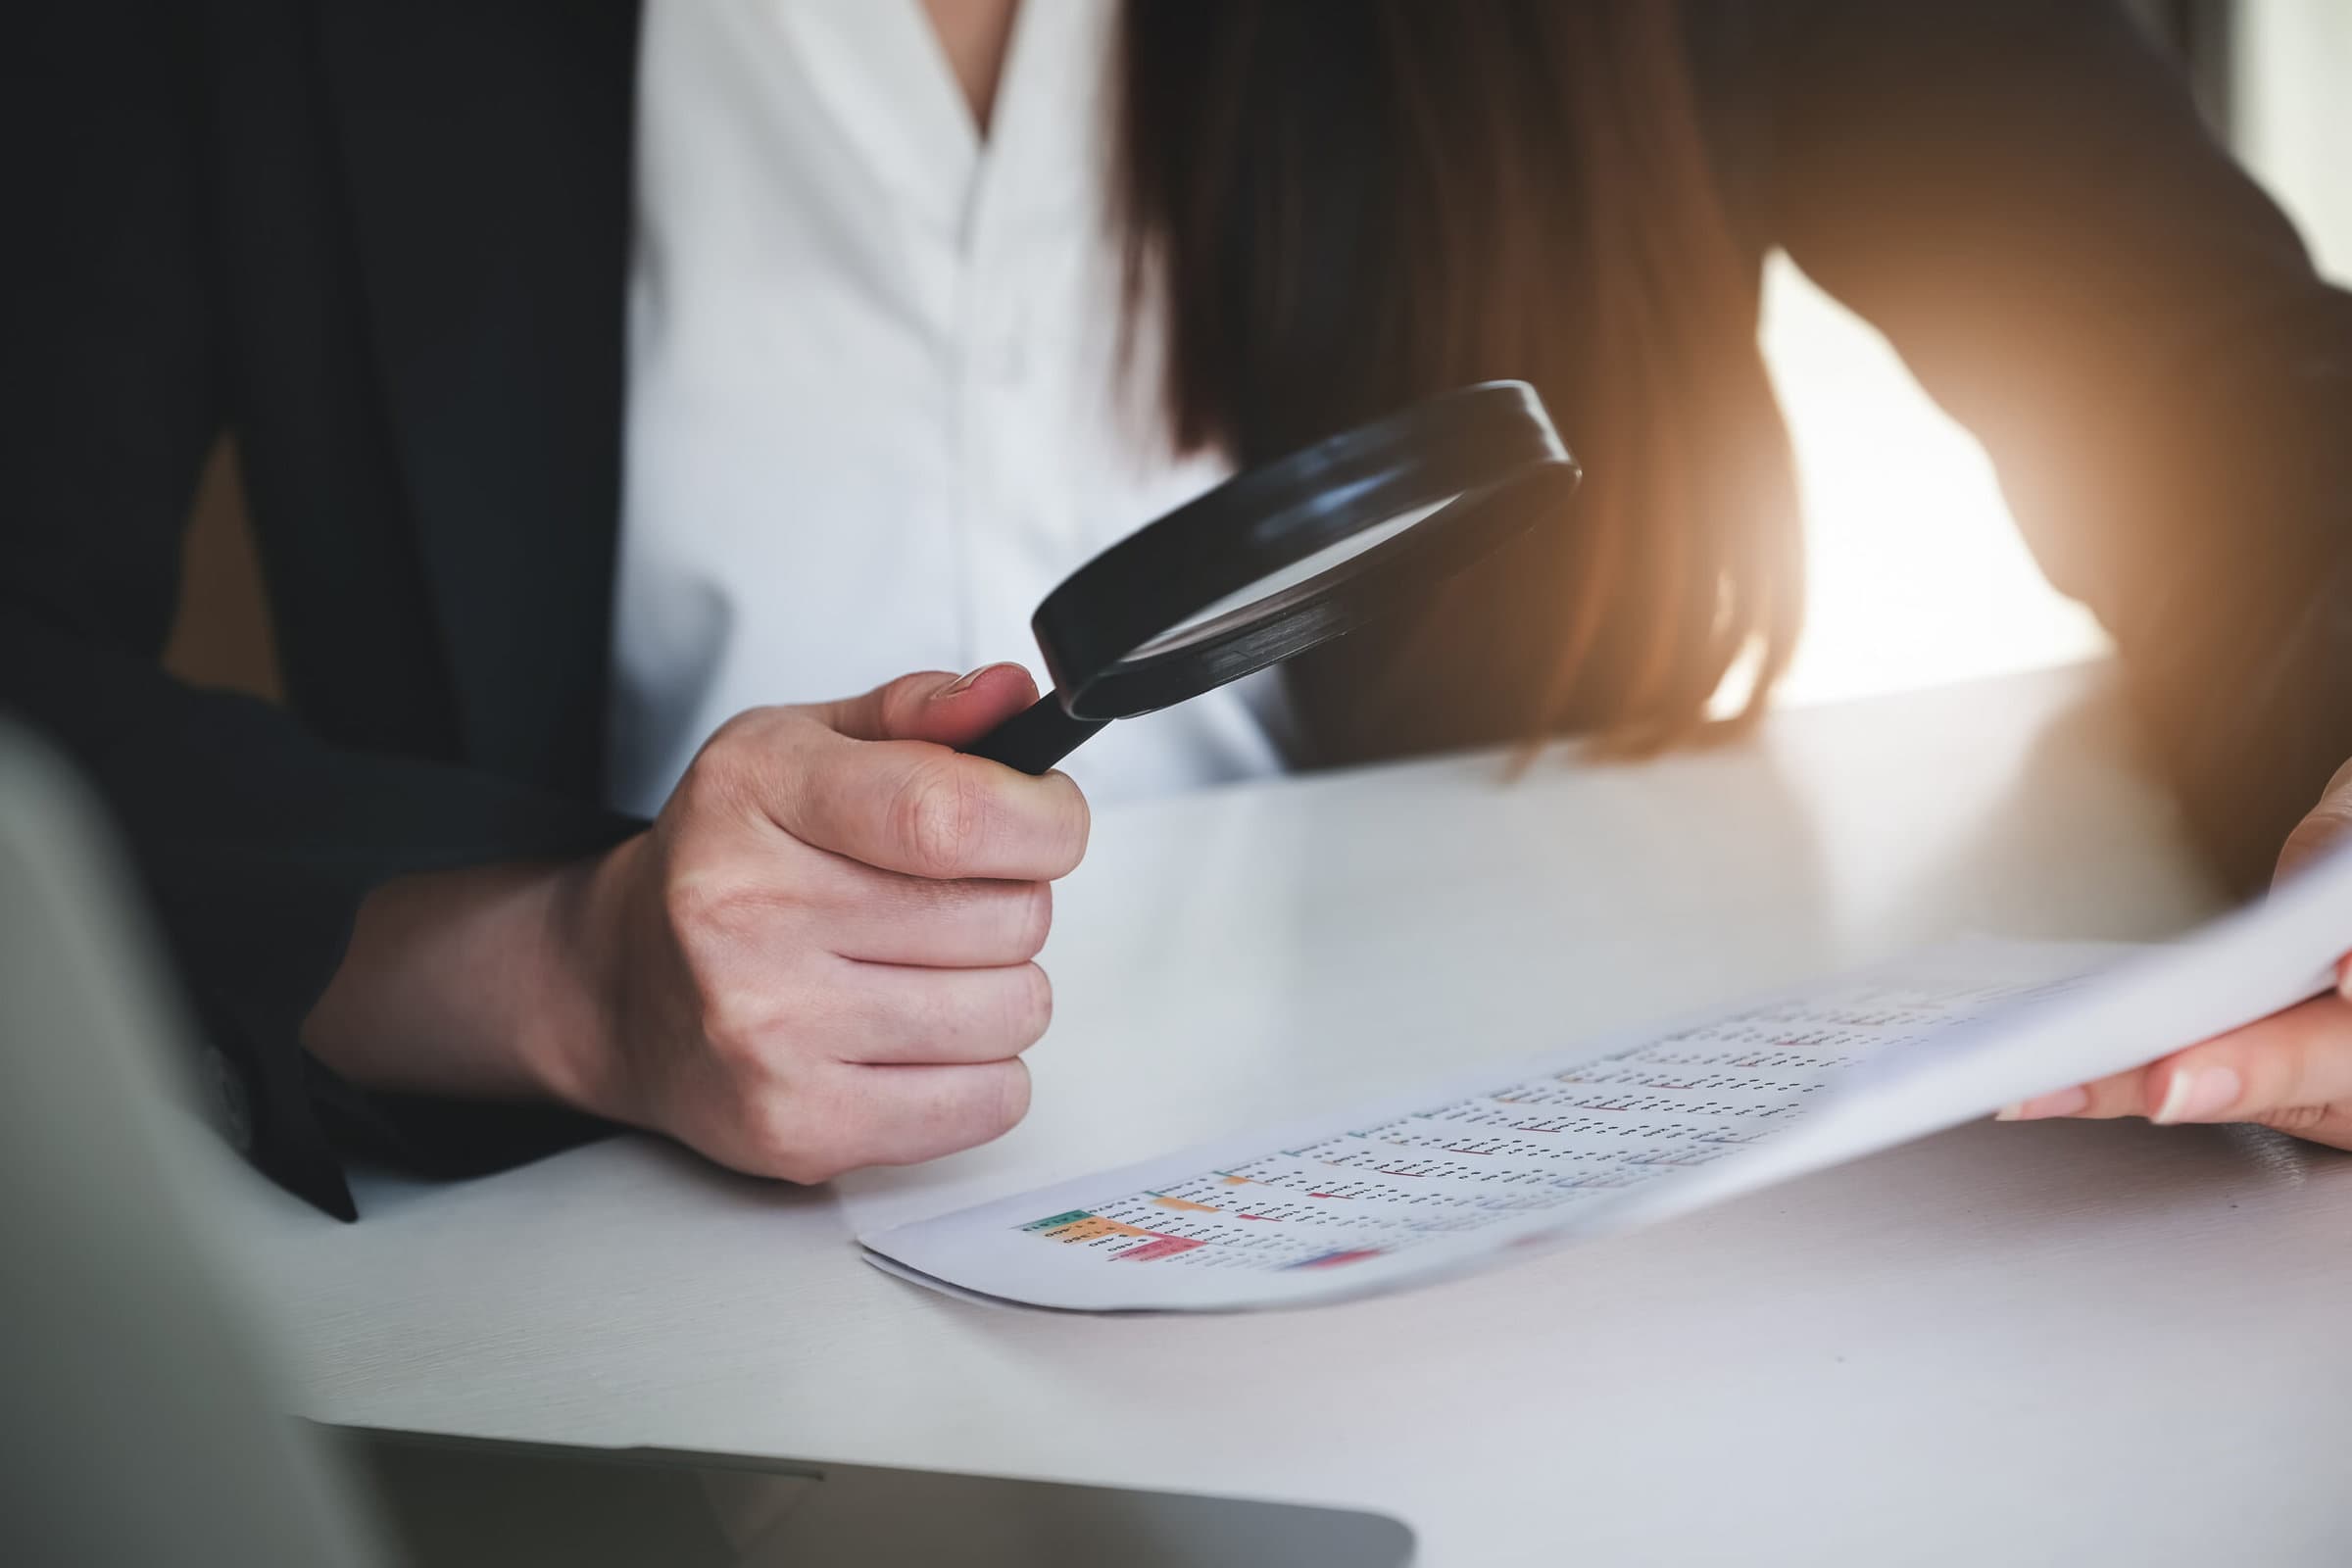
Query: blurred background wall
[(1917, 575), (2291, 100)]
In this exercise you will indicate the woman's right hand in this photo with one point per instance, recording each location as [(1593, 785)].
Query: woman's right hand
[(819, 957), (822, 955)]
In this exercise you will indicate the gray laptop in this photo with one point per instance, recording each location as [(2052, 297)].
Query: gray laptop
[(141, 1410)]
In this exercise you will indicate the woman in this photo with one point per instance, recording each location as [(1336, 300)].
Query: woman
[(880, 384)]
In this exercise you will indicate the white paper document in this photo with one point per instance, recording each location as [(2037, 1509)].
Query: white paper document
[(1624, 1130)]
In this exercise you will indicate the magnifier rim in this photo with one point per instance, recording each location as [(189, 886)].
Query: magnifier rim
[(1487, 452)]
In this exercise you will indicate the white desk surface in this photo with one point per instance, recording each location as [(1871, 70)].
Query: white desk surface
[(2053, 1343)]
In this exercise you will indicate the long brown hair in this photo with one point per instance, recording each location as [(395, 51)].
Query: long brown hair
[(1345, 205)]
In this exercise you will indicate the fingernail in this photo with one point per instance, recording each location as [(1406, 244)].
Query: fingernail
[(2058, 1102), (2198, 1094), (962, 683)]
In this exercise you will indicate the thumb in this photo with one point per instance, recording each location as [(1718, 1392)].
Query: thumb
[(2326, 825), (932, 706)]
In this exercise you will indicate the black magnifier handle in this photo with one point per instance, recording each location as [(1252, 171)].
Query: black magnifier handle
[(1037, 737)]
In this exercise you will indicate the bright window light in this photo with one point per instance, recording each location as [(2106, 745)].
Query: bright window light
[(1916, 576)]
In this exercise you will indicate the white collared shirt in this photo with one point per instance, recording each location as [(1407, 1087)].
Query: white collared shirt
[(874, 406)]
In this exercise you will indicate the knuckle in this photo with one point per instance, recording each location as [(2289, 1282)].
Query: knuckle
[(936, 817), (711, 889), (1084, 825), (2319, 832), (1033, 919), (1012, 1102), (695, 900), (704, 904), (737, 1031), (1031, 1005), (2316, 828), (2301, 1079), (901, 700), (2296, 1119), (1072, 828)]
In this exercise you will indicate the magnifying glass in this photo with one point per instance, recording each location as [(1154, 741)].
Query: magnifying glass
[(1285, 557)]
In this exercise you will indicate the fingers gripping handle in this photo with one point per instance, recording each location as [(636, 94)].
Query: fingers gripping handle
[(1037, 737)]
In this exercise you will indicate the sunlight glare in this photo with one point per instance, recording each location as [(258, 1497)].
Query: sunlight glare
[(1915, 572)]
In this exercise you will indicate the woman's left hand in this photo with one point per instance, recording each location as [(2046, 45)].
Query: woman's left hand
[(2291, 1070)]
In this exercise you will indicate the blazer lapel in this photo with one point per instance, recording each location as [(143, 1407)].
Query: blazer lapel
[(487, 145)]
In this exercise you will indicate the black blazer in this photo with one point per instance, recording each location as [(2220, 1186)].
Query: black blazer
[(386, 242)]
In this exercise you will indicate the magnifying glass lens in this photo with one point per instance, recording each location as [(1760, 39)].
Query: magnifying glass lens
[(1305, 576), (1288, 556)]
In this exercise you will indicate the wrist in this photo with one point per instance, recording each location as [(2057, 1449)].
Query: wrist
[(473, 983), (569, 1027)]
